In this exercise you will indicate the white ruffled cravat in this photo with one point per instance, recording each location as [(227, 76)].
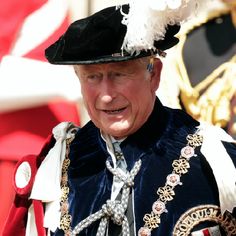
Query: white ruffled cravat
[(47, 186), (221, 164)]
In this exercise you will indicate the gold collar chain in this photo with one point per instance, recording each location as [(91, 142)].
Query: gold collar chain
[(65, 222), (166, 193)]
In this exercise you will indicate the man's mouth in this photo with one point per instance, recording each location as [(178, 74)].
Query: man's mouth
[(113, 112)]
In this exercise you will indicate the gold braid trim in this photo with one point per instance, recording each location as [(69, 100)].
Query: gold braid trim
[(201, 20)]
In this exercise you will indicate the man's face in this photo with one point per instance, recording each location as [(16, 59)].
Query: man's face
[(119, 96)]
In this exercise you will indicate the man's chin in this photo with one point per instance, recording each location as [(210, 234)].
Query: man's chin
[(118, 132)]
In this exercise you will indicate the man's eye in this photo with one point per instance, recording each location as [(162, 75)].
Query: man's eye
[(93, 77), (119, 74)]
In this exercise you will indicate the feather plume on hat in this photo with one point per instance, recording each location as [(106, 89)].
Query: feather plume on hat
[(148, 20), (120, 33)]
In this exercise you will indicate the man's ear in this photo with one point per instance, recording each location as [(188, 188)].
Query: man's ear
[(156, 73)]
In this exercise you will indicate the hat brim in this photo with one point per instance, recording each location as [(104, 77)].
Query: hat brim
[(116, 57)]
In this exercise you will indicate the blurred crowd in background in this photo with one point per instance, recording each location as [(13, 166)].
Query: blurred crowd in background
[(35, 96)]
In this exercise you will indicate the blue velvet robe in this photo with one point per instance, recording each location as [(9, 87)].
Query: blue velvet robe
[(157, 144)]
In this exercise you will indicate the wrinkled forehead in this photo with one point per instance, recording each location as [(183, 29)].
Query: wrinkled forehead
[(140, 63)]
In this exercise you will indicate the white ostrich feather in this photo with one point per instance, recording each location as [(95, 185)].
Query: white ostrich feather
[(147, 21)]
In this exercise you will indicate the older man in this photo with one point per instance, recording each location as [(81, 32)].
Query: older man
[(137, 168)]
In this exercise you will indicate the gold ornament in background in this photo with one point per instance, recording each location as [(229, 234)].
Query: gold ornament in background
[(232, 6), (210, 100)]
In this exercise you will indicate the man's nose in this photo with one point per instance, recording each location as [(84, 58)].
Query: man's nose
[(107, 90)]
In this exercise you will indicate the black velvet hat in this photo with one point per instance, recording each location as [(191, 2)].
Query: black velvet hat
[(99, 38)]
